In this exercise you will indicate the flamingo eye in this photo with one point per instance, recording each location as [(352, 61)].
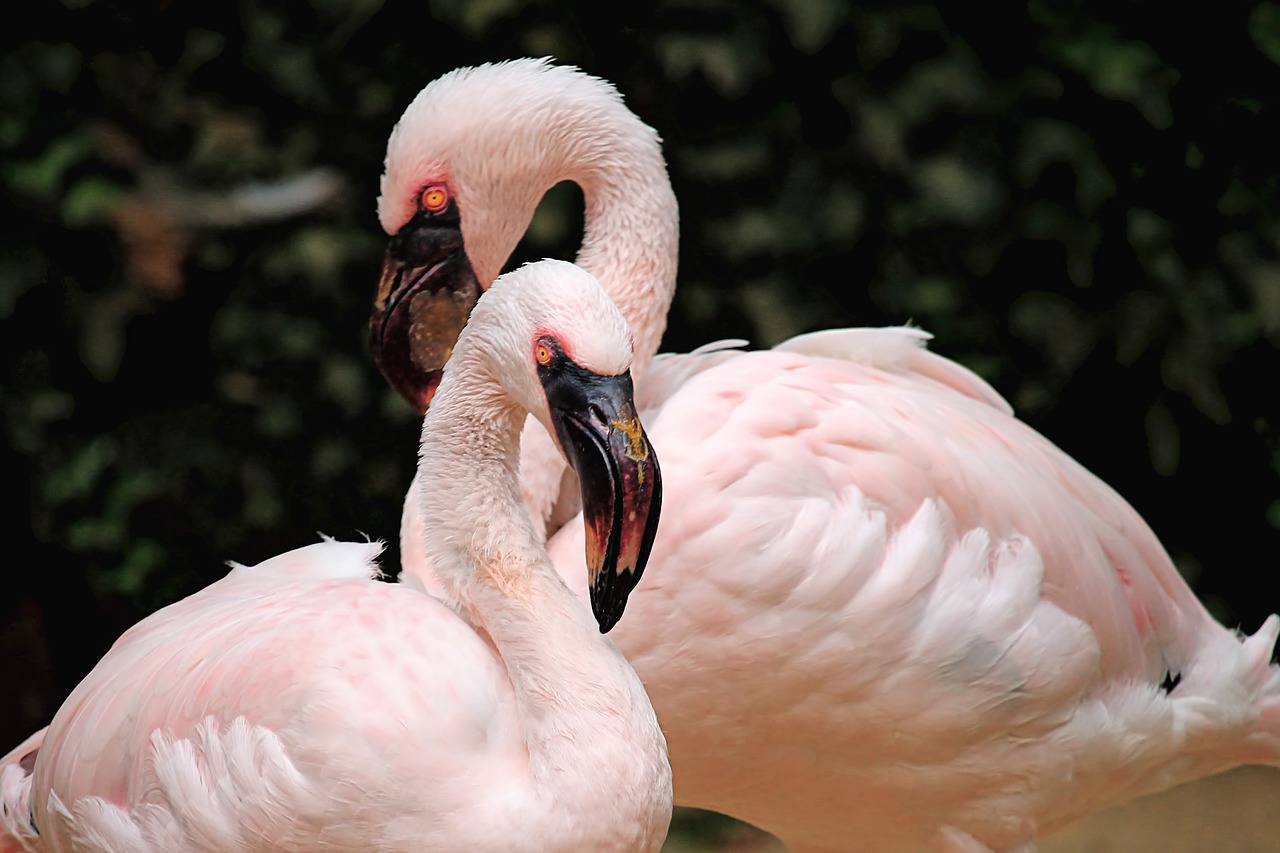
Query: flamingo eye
[(434, 199), (546, 350)]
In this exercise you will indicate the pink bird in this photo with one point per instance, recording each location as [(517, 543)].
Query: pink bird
[(300, 705), (882, 613)]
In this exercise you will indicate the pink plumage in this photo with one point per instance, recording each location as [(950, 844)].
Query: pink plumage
[(881, 613), (301, 705)]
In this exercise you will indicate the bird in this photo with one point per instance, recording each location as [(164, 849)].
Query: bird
[(882, 613), (300, 704)]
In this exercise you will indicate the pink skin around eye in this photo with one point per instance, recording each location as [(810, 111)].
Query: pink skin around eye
[(543, 338)]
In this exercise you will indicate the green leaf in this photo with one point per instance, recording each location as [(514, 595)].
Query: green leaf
[(141, 560), (42, 176), (90, 200), (76, 477), (1264, 29)]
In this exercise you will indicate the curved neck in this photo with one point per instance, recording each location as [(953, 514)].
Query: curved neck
[(569, 682), (630, 241), (631, 232)]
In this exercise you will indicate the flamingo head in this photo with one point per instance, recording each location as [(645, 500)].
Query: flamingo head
[(571, 370), (466, 166), (594, 418)]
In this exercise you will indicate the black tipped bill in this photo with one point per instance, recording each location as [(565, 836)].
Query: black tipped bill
[(425, 295), (621, 485)]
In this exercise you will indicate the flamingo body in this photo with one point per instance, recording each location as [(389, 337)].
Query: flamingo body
[(205, 689), (882, 613), (301, 705), (922, 638)]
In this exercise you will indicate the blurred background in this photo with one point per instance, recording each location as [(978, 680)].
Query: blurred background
[(1080, 200)]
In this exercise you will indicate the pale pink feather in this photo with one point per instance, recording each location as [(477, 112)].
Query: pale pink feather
[(301, 705), (882, 613)]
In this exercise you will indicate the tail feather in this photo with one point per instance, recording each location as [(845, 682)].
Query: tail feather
[(1229, 701), (1259, 649)]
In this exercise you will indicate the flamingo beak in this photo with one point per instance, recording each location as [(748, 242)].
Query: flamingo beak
[(425, 295), (621, 485)]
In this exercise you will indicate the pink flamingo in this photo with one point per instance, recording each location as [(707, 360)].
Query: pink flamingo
[(300, 705), (882, 613)]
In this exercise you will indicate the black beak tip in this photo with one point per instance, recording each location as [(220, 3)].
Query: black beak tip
[(609, 596), (607, 618)]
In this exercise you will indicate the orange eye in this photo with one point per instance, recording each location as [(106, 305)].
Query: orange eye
[(434, 199), (543, 354)]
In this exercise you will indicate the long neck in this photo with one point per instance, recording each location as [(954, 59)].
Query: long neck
[(631, 229), (631, 239), (574, 690)]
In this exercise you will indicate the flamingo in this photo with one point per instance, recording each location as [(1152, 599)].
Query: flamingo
[(882, 613), (300, 705)]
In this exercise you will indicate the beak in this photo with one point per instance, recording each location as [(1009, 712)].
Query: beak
[(425, 295), (595, 419)]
